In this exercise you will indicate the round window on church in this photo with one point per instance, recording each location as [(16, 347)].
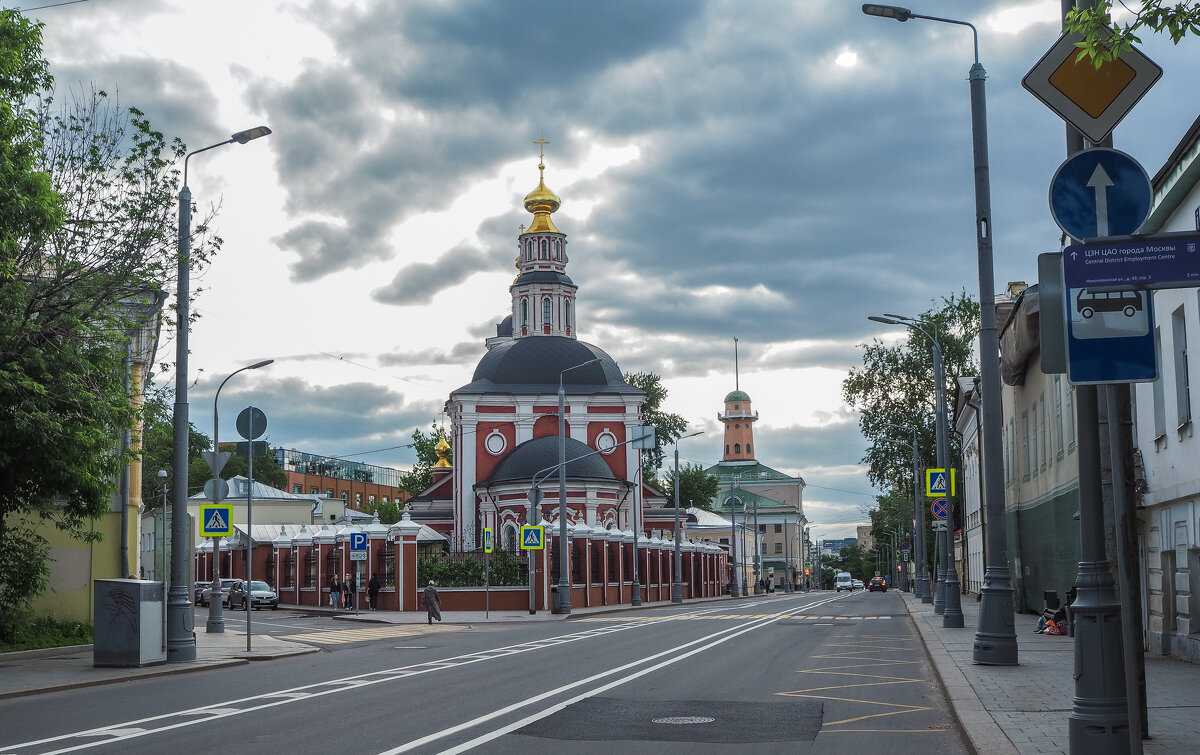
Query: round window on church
[(495, 443), (606, 442)]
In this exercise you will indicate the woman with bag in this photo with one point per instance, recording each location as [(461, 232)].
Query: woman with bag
[(335, 591)]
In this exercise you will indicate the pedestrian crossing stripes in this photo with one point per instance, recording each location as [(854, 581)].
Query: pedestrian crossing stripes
[(709, 617), (365, 634)]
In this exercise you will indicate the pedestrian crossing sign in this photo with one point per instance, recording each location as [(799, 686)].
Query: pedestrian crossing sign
[(216, 520), (940, 482), (533, 537), (487, 539)]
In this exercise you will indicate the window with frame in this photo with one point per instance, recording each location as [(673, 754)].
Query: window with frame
[(778, 528), (546, 311), (270, 578), (289, 569), (1025, 445), (386, 563), (779, 547), (1183, 401), (310, 568), (524, 311), (331, 560), (1160, 401), (598, 562), (1058, 418)]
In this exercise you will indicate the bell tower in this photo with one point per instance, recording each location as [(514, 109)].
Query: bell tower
[(738, 419)]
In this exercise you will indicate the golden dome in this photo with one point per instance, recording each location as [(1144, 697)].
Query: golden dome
[(443, 450), (541, 201)]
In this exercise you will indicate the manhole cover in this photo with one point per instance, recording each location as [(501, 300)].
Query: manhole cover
[(684, 720)]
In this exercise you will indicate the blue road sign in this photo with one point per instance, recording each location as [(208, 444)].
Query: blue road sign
[(1110, 336), (1100, 192), (216, 520), (939, 508), (533, 537), (358, 541), (1160, 261)]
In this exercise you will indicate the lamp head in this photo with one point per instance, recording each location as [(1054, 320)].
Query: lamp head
[(263, 363), (884, 320), (887, 11), (249, 134), (162, 474), (898, 317)]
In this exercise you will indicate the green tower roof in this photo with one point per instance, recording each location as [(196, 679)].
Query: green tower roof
[(737, 396)]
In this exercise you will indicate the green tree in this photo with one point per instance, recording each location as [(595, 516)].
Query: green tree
[(1104, 43), (157, 440), (266, 470), (894, 390), (696, 487), (667, 426), (425, 446), (86, 242)]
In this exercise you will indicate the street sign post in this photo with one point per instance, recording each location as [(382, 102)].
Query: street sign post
[(358, 546), (1092, 100), (1168, 260), (1100, 192)]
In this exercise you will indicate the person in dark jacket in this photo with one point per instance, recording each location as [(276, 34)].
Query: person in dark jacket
[(373, 591), (348, 590), (335, 591), (432, 602)]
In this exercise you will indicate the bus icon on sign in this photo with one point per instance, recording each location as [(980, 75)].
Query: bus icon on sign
[(1088, 302)]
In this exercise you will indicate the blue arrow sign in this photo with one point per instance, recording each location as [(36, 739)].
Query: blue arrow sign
[(1160, 261), (358, 541), (1100, 192)]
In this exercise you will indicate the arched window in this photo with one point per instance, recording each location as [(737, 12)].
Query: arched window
[(524, 311), (558, 249), (546, 311), (528, 249), (726, 448), (567, 314), (737, 448), (747, 448), (545, 253), (508, 540)]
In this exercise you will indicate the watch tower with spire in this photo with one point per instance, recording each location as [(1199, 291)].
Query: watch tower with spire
[(738, 419)]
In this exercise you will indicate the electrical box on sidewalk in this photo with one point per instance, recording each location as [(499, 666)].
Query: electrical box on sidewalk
[(128, 619)]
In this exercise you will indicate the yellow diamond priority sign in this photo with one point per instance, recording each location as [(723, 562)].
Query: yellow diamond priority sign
[(1092, 100)]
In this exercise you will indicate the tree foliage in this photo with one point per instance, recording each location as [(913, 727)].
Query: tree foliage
[(1104, 43), (86, 244), (667, 426), (696, 487), (894, 390), (425, 446)]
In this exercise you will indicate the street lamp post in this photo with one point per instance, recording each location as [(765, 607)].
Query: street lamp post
[(734, 586), (216, 612), (677, 583), (181, 641), (160, 535), (564, 562), (921, 582), (947, 596), (995, 637)]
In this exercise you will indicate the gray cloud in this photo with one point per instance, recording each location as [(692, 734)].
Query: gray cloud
[(419, 282)]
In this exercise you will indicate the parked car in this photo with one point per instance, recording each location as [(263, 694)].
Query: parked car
[(198, 592), (260, 595), (857, 584), (877, 584), (226, 585)]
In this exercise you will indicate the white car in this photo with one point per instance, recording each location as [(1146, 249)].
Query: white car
[(857, 584)]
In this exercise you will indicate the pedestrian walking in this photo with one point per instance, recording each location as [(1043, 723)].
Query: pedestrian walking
[(433, 602), (373, 590), (335, 591), (348, 590)]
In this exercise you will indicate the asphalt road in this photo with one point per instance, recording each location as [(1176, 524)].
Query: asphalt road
[(815, 672)]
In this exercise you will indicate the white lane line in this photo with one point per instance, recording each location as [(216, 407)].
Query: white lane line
[(716, 639)]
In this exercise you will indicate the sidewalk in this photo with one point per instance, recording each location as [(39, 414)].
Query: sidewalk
[(1025, 708), (35, 671)]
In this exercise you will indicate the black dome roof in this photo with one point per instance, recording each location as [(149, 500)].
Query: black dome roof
[(536, 455), (539, 361)]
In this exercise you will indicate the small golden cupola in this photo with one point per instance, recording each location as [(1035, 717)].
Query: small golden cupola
[(541, 201), (443, 450)]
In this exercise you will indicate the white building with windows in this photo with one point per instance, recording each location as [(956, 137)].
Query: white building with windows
[(1169, 509)]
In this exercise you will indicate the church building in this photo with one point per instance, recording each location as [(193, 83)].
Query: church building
[(504, 423)]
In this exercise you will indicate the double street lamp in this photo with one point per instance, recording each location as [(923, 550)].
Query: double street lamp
[(947, 598), (181, 642), (677, 583), (216, 615), (995, 637), (564, 562)]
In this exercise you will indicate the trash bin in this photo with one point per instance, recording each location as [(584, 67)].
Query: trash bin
[(555, 600), (128, 620)]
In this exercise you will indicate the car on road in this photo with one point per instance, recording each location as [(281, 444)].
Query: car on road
[(857, 584), (198, 592), (877, 584), (226, 585), (256, 594), (844, 581)]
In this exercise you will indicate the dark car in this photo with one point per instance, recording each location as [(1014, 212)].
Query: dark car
[(260, 595), (877, 583), (226, 586)]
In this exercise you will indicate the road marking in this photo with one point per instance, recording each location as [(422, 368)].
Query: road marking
[(345, 636)]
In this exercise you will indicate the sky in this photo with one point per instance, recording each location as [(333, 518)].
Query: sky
[(771, 171)]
